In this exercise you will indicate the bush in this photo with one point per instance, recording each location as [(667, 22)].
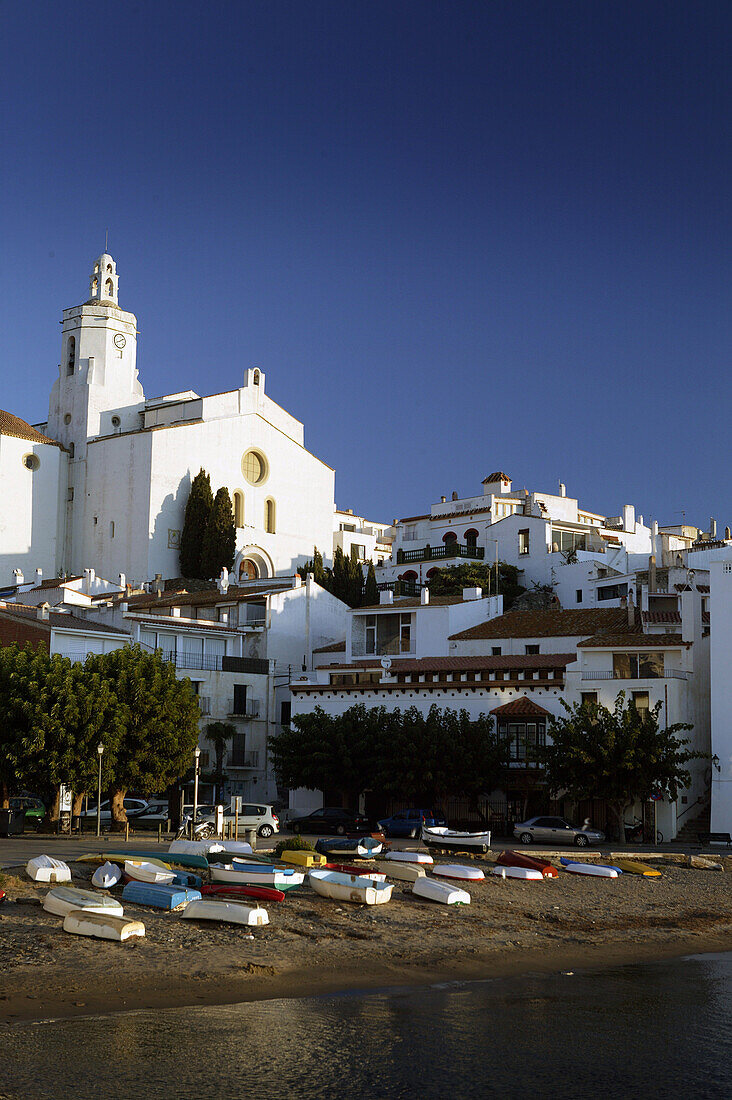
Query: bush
[(294, 844)]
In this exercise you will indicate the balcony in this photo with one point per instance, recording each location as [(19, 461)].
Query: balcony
[(250, 709), (400, 588), (668, 674), (237, 759), (215, 663), (447, 550)]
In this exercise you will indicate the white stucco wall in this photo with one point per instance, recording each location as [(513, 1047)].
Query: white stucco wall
[(721, 689), (32, 514)]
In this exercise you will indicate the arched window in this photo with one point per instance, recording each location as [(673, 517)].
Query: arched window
[(449, 536), (238, 509), (256, 378), (269, 516), (71, 356), (95, 285), (109, 288), (471, 536), (109, 269), (410, 575), (431, 573), (248, 570), (71, 451)]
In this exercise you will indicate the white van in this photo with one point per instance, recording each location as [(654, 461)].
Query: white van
[(253, 815)]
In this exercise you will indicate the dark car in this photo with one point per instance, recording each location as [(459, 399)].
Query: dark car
[(409, 822), (331, 819), (35, 811)]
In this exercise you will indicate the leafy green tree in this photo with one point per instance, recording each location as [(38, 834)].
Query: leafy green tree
[(198, 510), (620, 755), (219, 733), (21, 716), (451, 581), (219, 539), (315, 566), (371, 589), (158, 723)]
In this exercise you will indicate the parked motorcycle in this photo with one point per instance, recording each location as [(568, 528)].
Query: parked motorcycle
[(634, 832), (203, 831)]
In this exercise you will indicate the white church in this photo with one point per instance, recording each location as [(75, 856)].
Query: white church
[(104, 482)]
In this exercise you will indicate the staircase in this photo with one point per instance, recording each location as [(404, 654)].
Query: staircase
[(692, 826)]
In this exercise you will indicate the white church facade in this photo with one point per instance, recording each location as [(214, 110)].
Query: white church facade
[(104, 483)]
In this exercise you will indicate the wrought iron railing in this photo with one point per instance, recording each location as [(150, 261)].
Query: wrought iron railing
[(237, 759), (668, 674), (447, 550)]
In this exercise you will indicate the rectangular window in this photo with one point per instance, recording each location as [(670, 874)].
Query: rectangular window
[(370, 634), (531, 649), (405, 633), (579, 595), (358, 551), (612, 592), (524, 738), (637, 666), (285, 713), (409, 534), (641, 702), (495, 651), (524, 541), (589, 697), (240, 699)]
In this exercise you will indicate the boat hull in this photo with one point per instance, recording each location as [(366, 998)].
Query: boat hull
[(232, 912), (350, 888), (106, 876), (364, 847), (432, 890), (452, 840), (141, 871), (457, 871), (524, 874), (47, 869), (229, 875), (102, 927), (304, 859), (518, 859), (403, 872), (160, 897), (62, 899), (633, 867), (347, 869), (599, 870), (409, 857), (255, 893)]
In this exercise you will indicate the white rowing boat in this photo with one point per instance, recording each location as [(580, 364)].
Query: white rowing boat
[(438, 836), (62, 899), (106, 876), (234, 875), (457, 871), (405, 872), (433, 890), (198, 847), (230, 911), (146, 871), (102, 927), (599, 870), (47, 869), (409, 857), (525, 874), (355, 888)]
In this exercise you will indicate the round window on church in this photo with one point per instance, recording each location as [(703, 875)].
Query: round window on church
[(31, 462), (254, 467)]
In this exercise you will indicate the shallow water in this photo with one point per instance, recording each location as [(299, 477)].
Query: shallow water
[(653, 1030)]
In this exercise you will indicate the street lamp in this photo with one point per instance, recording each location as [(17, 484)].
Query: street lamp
[(197, 754), (100, 750)]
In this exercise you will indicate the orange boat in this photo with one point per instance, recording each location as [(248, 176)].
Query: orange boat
[(518, 859)]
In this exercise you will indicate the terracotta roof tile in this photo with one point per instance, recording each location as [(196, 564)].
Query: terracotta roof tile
[(634, 641), (20, 429), (497, 476), (524, 707), (661, 617), (413, 519), (414, 601), (548, 623), (462, 664), (332, 647), (59, 619)]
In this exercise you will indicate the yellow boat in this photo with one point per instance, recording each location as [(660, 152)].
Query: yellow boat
[(304, 859), (632, 867)]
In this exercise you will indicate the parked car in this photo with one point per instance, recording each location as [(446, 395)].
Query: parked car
[(330, 819), (251, 816), (35, 811), (555, 830), (409, 822), (155, 813), (133, 806)]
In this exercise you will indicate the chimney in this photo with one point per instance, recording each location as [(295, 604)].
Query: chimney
[(424, 596), (158, 585), (443, 500), (472, 593), (175, 612), (713, 528), (122, 581), (727, 533), (628, 517), (224, 618), (42, 612), (652, 573), (631, 610), (387, 596), (454, 494), (39, 576), (18, 576), (562, 489), (124, 606), (222, 582)]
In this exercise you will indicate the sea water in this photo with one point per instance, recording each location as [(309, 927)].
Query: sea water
[(649, 1030)]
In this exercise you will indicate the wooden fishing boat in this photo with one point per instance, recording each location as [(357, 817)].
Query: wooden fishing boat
[(363, 847), (519, 859), (281, 880), (234, 848), (634, 867), (304, 859), (47, 869), (404, 872), (102, 927), (256, 893), (525, 874), (422, 858), (159, 896), (196, 847), (62, 899), (354, 888), (457, 871), (106, 876), (433, 890), (597, 869), (233, 912), (139, 870), (349, 869), (438, 836)]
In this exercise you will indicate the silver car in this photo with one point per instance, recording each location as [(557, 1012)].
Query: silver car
[(555, 830)]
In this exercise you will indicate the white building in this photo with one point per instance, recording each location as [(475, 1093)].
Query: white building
[(104, 483), (361, 538), (58, 631)]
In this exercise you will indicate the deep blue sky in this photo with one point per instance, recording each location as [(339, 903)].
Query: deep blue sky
[(458, 237)]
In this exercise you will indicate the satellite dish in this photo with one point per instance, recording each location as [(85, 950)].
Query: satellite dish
[(386, 663)]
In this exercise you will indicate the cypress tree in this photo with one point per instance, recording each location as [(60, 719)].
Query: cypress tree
[(198, 510), (219, 539), (371, 591)]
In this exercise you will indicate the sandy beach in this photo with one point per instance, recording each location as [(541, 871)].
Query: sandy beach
[(314, 945)]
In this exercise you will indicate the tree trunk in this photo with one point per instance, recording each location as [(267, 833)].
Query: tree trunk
[(4, 796), (52, 810), (77, 804), (617, 809), (119, 817)]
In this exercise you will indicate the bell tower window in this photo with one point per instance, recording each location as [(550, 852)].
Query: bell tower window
[(238, 509), (71, 356), (256, 378), (109, 288), (269, 516)]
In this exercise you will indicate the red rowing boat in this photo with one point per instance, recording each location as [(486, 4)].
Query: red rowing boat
[(350, 869), (262, 893), (518, 859)]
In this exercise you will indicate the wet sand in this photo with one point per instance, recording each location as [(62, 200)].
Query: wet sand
[(315, 945)]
